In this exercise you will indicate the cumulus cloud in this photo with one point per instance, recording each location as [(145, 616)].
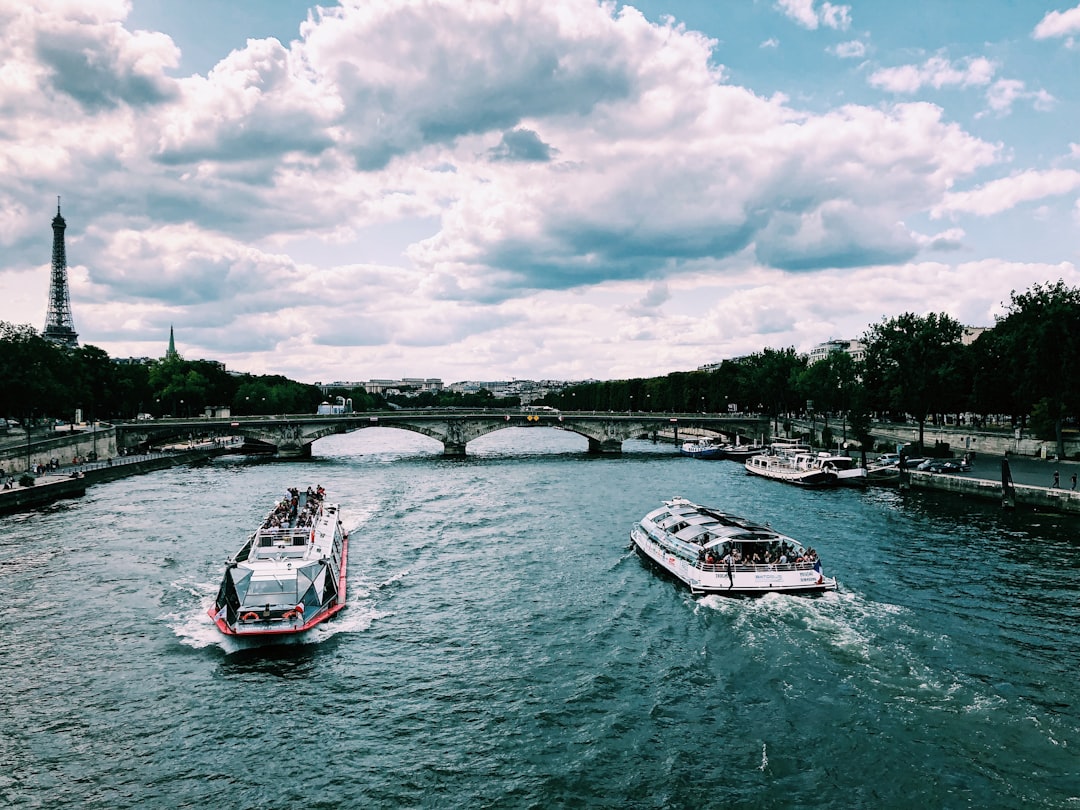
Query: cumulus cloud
[(1059, 24), (936, 72), (1008, 192), (570, 155), (521, 144), (810, 14), (1003, 93), (850, 50)]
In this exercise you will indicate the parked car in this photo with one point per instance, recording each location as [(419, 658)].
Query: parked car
[(944, 465)]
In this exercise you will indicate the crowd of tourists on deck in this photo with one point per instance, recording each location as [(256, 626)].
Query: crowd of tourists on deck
[(288, 512), (771, 554)]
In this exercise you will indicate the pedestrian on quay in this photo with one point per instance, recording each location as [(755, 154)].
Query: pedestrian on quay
[(1073, 479), (1057, 481)]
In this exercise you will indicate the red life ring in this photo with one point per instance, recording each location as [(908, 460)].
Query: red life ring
[(289, 615), (250, 617)]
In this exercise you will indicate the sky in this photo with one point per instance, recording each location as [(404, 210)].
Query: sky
[(530, 189)]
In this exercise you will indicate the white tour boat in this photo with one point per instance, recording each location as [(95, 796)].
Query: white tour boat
[(801, 468), (290, 574), (715, 552)]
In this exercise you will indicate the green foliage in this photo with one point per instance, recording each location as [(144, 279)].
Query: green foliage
[(910, 363), (1040, 342), (1045, 419)]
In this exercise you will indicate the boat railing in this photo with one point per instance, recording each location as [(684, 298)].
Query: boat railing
[(756, 567)]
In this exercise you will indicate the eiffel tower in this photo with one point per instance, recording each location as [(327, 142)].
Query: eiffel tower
[(59, 328)]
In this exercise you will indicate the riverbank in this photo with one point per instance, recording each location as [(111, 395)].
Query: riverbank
[(71, 481)]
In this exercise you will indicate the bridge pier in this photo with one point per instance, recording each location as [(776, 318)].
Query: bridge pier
[(293, 452), (605, 446), (453, 450)]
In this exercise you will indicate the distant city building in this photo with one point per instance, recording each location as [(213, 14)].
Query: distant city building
[(855, 348), (340, 405), (971, 334), (59, 326), (405, 385), (134, 361)]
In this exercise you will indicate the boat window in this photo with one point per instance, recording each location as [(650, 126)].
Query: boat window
[(267, 587)]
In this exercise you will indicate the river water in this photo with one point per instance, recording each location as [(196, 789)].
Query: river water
[(504, 648)]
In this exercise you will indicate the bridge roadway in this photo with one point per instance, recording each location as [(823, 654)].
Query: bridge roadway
[(291, 436)]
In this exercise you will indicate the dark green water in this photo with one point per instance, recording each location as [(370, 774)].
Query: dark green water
[(504, 648)]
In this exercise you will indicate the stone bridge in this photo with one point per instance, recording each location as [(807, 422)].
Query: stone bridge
[(291, 436)]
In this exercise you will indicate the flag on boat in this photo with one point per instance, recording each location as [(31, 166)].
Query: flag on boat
[(221, 613)]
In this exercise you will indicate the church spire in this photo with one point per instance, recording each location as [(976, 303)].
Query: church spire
[(172, 354)]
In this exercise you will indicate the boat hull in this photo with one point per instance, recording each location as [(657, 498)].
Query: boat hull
[(707, 454), (811, 479)]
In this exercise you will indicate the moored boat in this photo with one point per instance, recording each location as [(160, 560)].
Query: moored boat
[(801, 469), (741, 452), (883, 475), (712, 551), (290, 574), (848, 473), (704, 448)]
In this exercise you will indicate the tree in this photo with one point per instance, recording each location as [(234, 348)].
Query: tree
[(1040, 337), (909, 362), (34, 371), (771, 381)]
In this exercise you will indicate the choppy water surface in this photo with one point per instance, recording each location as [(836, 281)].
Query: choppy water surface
[(504, 648)]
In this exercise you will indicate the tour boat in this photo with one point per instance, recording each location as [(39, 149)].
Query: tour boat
[(714, 552), (705, 448), (803, 469), (290, 574)]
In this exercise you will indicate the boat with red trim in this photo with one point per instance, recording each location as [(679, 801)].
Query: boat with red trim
[(290, 574)]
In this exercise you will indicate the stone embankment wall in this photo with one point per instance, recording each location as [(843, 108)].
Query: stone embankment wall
[(53, 488), (1041, 499), (959, 441), (63, 447)]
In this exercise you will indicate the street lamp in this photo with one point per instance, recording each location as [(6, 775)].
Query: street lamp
[(630, 407)]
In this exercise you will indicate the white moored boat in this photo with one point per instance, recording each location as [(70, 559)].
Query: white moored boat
[(290, 574), (715, 552), (802, 468)]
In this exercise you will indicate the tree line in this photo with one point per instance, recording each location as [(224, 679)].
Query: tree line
[(1025, 369), (915, 366)]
